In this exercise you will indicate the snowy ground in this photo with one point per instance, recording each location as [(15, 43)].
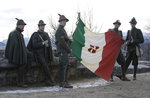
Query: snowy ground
[(89, 88), (81, 84)]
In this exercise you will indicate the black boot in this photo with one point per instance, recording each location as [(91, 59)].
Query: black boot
[(49, 83), (135, 69), (119, 76), (22, 85), (124, 78), (65, 85), (111, 79)]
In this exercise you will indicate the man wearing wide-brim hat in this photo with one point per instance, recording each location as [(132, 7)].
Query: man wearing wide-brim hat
[(62, 18), (16, 51), (40, 45), (117, 22), (63, 51), (120, 58), (133, 39)]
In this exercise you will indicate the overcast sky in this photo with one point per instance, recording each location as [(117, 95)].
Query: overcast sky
[(104, 12)]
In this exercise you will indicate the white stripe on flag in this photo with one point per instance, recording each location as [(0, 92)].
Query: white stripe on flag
[(91, 60)]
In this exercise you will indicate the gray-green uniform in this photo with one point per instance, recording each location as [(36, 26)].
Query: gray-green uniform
[(63, 49), (16, 51), (121, 59), (136, 36)]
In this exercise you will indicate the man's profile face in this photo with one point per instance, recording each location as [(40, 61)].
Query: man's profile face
[(63, 22), (42, 27), (21, 27), (133, 25), (117, 25)]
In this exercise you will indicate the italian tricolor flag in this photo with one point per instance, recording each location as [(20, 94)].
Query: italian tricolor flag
[(96, 51)]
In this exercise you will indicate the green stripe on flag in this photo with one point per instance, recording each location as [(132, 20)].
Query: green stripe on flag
[(78, 40)]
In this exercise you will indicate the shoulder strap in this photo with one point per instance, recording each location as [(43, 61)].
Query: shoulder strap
[(40, 37), (130, 35)]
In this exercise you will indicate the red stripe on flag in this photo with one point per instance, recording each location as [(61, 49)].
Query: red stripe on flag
[(109, 55)]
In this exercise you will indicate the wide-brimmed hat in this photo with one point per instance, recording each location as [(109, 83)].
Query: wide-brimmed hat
[(62, 17), (133, 21), (20, 22), (117, 22), (41, 23)]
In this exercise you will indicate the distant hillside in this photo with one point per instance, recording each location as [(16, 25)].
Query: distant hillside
[(146, 39), (2, 44)]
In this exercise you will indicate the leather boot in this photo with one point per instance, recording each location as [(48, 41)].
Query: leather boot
[(48, 83), (65, 85), (22, 85), (125, 79)]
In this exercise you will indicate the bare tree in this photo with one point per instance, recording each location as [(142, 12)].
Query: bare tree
[(52, 27), (88, 20), (147, 28)]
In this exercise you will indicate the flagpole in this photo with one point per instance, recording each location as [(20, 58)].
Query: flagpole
[(78, 15), (78, 18)]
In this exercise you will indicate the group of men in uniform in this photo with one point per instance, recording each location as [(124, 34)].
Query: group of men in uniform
[(134, 38), (39, 49)]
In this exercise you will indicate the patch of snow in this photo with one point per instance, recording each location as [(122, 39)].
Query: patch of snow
[(142, 74), (43, 89), (90, 83), (94, 83), (98, 82), (140, 65)]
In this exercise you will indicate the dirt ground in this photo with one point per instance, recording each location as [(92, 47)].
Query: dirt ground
[(117, 89)]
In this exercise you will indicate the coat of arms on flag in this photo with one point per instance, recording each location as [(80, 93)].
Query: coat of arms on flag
[(96, 51), (93, 49)]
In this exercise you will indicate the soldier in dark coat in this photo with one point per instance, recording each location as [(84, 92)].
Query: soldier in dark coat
[(120, 59), (63, 49), (16, 51), (40, 45), (133, 39)]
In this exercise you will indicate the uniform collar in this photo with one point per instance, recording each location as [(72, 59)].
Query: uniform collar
[(116, 29), (40, 31), (61, 26), (133, 28)]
